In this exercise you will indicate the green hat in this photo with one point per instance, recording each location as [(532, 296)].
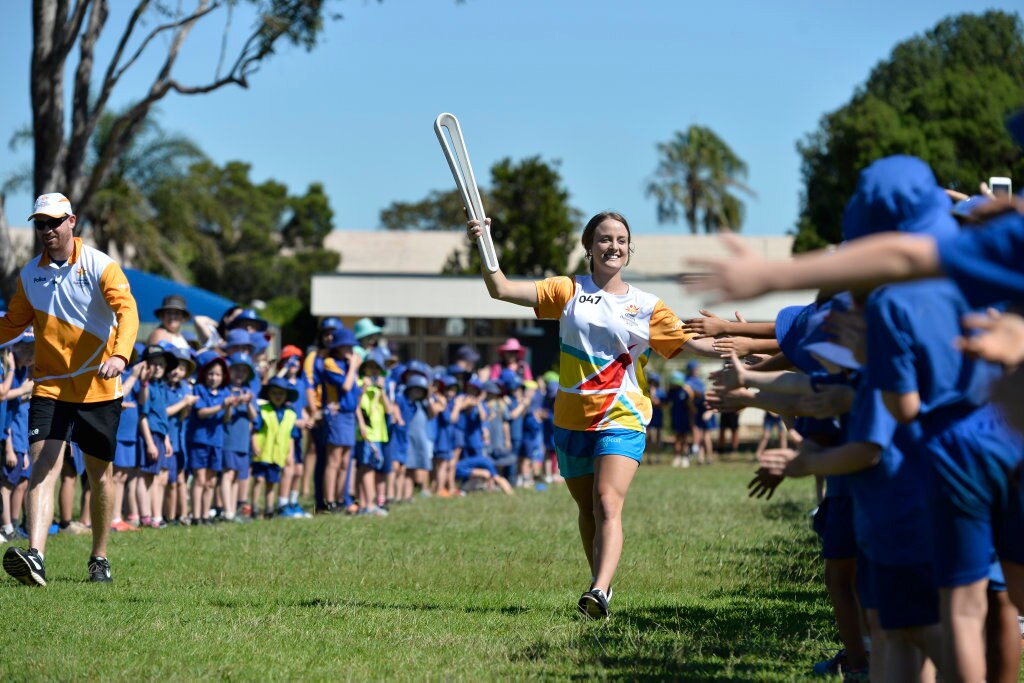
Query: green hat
[(365, 327)]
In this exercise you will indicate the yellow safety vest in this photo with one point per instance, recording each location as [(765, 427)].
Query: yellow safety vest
[(274, 439)]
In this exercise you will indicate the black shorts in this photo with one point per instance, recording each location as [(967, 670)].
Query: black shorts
[(93, 426), (729, 420)]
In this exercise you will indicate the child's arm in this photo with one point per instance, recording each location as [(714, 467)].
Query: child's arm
[(9, 454), (457, 408), (185, 404), (813, 459), (354, 361), (209, 411), (251, 408), (713, 326), (253, 444), (361, 423), (24, 390), (151, 450), (506, 434)]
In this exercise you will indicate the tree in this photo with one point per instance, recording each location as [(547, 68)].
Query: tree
[(60, 152), (532, 224), (695, 178), (942, 96), (437, 211)]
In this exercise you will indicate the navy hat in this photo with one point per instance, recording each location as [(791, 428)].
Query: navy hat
[(249, 317), (510, 380), (242, 360), (417, 381), (330, 324), (184, 357), (692, 365), (475, 383), (343, 337), (448, 381), (492, 388), (457, 370), (467, 353), (279, 383), (156, 351), (1015, 124), (899, 194), (237, 337), (653, 377)]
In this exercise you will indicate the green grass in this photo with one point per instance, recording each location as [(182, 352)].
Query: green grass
[(712, 586)]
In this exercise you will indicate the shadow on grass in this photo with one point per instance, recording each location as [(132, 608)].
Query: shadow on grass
[(730, 638), (339, 603)]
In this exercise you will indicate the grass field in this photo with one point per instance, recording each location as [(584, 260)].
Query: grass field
[(712, 586)]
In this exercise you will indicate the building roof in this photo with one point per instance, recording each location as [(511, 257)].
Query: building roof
[(425, 252)]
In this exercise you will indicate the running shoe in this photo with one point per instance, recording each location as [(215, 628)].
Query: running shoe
[(99, 570), (25, 565), (594, 604), (121, 525), (831, 667)]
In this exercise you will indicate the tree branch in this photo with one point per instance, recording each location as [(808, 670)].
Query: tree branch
[(81, 131), (198, 14), (73, 26)]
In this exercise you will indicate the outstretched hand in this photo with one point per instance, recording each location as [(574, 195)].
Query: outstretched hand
[(1001, 339), (741, 276)]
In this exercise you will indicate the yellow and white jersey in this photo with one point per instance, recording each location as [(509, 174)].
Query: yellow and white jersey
[(82, 313), (605, 343)]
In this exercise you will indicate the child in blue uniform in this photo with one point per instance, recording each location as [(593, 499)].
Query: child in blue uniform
[(443, 441), (681, 411), (289, 366), (125, 454), (272, 443), (657, 424), (181, 400), (371, 447), (341, 393), (418, 409), (241, 414), (16, 466), (154, 427), (206, 433)]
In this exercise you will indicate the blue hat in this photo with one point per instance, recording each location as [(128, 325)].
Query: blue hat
[(510, 380), (237, 337), (492, 388), (205, 357), (330, 324), (1015, 124), (417, 367), (448, 381), (784, 321), (242, 360), (279, 383), (417, 381), (457, 370), (137, 349), (834, 353), (259, 342), (808, 328), (184, 357), (157, 351), (475, 383), (551, 389), (365, 327), (677, 378), (653, 377), (899, 194), (376, 358), (692, 365), (343, 337), (249, 316)]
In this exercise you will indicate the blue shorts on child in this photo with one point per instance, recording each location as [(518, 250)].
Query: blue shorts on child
[(77, 460), (906, 596), (236, 461), (374, 455), (833, 522), (577, 450), (147, 466), (206, 457), (267, 471), (297, 450), (126, 455), (341, 428), (18, 473)]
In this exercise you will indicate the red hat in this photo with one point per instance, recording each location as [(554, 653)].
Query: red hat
[(291, 351)]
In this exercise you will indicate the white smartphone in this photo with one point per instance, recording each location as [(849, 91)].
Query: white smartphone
[(1000, 186)]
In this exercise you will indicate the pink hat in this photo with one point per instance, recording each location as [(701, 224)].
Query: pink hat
[(512, 344)]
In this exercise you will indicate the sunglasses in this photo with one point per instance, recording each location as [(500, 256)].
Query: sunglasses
[(50, 223)]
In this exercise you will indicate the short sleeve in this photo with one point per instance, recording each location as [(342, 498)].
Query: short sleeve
[(890, 351), (667, 335), (552, 296), (985, 263), (870, 421)]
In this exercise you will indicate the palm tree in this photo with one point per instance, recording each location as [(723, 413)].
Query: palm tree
[(695, 177)]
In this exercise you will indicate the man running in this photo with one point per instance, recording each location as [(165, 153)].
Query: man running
[(78, 301)]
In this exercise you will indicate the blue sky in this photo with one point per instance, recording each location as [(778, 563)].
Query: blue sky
[(594, 84)]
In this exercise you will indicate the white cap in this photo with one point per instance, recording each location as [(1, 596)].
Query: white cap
[(54, 205)]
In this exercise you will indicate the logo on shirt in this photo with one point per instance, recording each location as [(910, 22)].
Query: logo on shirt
[(632, 310), (37, 280), (82, 276)]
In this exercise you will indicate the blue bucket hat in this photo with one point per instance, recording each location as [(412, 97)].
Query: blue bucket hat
[(249, 316), (376, 358), (653, 378), (898, 194), (330, 324), (184, 357), (510, 380), (417, 367), (237, 337), (242, 360), (448, 381), (365, 327), (343, 337), (492, 388), (677, 379), (963, 208), (417, 381), (259, 342), (808, 328), (475, 383), (279, 383)]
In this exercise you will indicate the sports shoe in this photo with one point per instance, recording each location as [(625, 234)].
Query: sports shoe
[(832, 666), (99, 570), (594, 604), (75, 528), (25, 565), (121, 525)]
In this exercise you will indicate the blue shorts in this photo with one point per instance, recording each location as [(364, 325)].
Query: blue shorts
[(906, 596), (15, 475), (169, 462), (147, 466), (465, 466), (534, 449), (578, 450), (236, 461), (458, 439), (206, 457), (125, 455), (341, 428), (267, 471), (419, 459), (442, 455), (297, 450), (181, 461), (977, 500), (372, 455), (834, 524), (77, 459)]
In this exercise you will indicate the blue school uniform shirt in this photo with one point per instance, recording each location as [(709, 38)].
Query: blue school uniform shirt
[(679, 408), (128, 427), (890, 498), (533, 430), (658, 411), (418, 431), (472, 421), (985, 262), (5, 420), (17, 412), (179, 420), (238, 430), (298, 405), (443, 442), (348, 401), (911, 327), (155, 409), (515, 427), (207, 431)]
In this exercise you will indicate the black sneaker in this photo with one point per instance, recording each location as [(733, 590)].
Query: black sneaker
[(99, 570), (594, 604), (25, 565)]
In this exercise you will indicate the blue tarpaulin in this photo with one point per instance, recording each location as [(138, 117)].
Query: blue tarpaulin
[(149, 291)]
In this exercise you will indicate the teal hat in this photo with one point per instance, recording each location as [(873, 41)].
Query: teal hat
[(365, 327)]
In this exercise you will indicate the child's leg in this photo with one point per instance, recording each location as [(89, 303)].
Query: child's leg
[(1002, 639), (120, 479), (287, 476), (257, 490), (18, 500), (300, 475), (198, 487), (85, 507), (209, 492), (308, 466), (964, 610), (145, 497), (171, 499), (762, 445), (156, 494), (909, 651), (5, 500), (131, 488), (331, 474), (840, 581), (449, 481), (182, 494), (67, 492), (227, 492), (348, 485)]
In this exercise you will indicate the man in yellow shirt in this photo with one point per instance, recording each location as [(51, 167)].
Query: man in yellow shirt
[(78, 301)]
